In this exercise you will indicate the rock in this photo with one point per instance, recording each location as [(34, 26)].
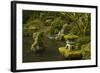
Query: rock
[(70, 54)]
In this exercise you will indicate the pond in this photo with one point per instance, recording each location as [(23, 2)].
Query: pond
[(51, 51)]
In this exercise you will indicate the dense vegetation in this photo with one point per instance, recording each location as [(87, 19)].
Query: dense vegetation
[(47, 29)]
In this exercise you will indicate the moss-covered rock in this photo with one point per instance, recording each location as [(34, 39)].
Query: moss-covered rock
[(70, 37), (70, 54)]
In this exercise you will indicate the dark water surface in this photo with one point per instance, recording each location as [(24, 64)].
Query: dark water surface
[(51, 52)]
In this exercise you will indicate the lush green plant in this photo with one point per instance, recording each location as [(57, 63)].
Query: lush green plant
[(86, 51), (84, 40), (59, 25), (76, 21)]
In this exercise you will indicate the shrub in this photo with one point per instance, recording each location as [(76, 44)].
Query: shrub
[(83, 40), (86, 51)]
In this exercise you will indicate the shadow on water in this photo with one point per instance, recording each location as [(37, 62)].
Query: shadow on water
[(51, 52)]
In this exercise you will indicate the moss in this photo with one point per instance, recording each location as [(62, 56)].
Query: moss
[(74, 55), (70, 37), (70, 54), (63, 51)]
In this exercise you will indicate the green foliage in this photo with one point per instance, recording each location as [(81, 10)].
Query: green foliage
[(83, 40), (81, 22), (60, 25), (57, 23), (76, 21), (86, 51)]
